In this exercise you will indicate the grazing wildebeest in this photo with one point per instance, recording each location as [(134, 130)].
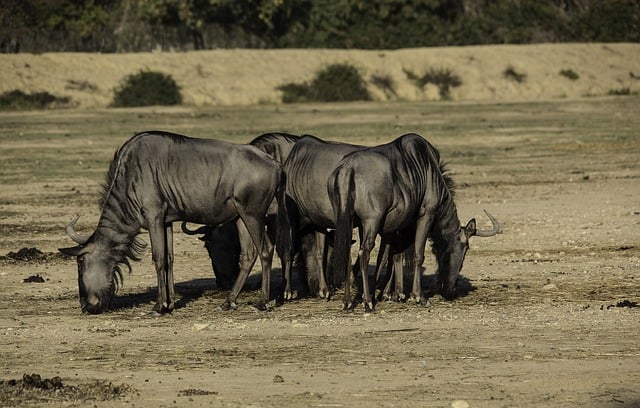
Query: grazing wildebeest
[(307, 203), (221, 241), (157, 178), (399, 187), (223, 246)]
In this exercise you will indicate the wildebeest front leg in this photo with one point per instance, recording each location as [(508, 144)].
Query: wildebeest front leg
[(383, 279), (159, 250), (422, 227), (321, 258), (398, 273)]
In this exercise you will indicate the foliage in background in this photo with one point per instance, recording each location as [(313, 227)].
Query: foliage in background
[(511, 73), (385, 83), (145, 25), (443, 78), (569, 74), (335, 83), (147, 88), (19, 100)]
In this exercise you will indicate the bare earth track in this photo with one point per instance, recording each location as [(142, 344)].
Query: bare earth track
[(550, 318)]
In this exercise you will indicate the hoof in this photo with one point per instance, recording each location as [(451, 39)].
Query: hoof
[(348, 307), (228, 305), (290, 295), (420, 301), (163, 308), (368, 307), (262, 306), (324, 294)]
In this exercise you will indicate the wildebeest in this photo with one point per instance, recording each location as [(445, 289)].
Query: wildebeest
[(221, 241), (305, 199), (157, 178), (403, 188)]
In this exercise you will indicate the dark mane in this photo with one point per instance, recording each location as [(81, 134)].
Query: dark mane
[(277, 145), (127, 244), (108, 180), (448, 180), (274, 136)]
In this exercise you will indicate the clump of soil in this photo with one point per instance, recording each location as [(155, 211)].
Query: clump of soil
[(34, 279), (26, 254), (29, 255), (189, 392), (624, 303), (33, 388)]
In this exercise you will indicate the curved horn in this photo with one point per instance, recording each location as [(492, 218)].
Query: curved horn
[(71, 232), (201, 230), (495, 230)]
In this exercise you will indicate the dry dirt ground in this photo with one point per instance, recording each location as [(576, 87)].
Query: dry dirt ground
[(551, 317)]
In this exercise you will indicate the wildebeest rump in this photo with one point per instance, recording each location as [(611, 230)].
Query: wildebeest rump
[(157, 178), (399, 187)]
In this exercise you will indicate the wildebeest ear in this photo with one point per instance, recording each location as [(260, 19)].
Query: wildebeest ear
[(72, 251), (470, 228)]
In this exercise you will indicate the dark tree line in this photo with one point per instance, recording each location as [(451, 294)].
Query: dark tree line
[(143, 25)]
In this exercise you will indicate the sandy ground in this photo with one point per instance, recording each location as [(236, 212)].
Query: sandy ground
[(246, 77), (551, 318)]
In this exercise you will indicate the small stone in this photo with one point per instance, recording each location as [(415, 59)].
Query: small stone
[(459, 404), (199, 326), (278, 379), (549, 286)]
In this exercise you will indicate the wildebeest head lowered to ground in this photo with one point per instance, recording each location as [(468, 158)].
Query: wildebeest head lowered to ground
[(157, 178)]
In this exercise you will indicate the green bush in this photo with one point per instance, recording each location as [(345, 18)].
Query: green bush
[(19, 100), (620, 91), (443, 78), (569, 74), (147, 88), (335, 83), (511, 73)]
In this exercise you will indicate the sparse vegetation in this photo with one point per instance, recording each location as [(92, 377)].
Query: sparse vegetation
[(18, 100), (511, 74), (620, 91), (385, 83), (335, 83), (81, 85), (443, 78), (147, 88), (569, 74)]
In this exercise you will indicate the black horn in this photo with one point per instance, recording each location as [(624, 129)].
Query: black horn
[(201, 230), (494, 230), (71, 232)]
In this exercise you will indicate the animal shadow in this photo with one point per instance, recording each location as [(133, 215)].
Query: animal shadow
[(464, 286)]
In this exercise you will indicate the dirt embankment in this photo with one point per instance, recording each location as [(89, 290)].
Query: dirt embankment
[(245, 77)]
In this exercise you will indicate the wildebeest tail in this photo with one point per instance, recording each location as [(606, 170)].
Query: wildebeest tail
[(342, 199), (284, 233)]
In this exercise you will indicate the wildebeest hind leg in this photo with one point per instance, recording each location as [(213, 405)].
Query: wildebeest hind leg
[(171, 298), (255, 227), (248, 254)]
